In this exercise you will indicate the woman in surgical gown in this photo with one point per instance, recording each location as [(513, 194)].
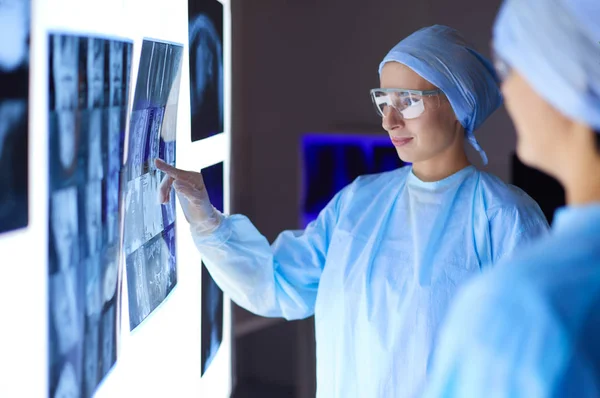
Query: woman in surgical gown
[(531, 327), (382, 261)]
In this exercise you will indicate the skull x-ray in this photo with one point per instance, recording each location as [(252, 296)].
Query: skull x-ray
[(65, 71), (116, 91), (108, 339), (134, 210), (68, 383), (169, 254), (64, 227), (156, 121), (151, 275), (212, 320), (110, 276), (206, 67), (14, 83), (95, 73), (64, 309), (139, 303), (94, 135), (88, 80), (111, 204), (149, 226), (91, 361), (137, 132), (212, 296), (91, 214), (115, 116), (93, 288)]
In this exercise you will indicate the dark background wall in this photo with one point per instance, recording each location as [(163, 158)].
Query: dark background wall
[(302, 66)]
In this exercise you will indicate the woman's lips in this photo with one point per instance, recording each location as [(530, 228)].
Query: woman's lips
[(398, 141)]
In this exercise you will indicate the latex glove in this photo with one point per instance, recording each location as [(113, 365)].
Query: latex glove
[(193, 197)]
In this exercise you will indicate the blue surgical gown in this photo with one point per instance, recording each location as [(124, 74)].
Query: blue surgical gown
[(530, 328), (377, 268)]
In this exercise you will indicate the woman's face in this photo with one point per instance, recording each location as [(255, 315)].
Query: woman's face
[(433, 133), (543, 133)]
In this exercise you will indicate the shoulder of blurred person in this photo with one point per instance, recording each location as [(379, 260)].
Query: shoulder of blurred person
[(523, 326)]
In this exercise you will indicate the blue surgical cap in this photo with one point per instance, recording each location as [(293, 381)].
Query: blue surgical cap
[(441, 56), (555, 45)]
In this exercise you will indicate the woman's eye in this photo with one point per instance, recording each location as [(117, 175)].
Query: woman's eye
[(412, 100), (405, 102)]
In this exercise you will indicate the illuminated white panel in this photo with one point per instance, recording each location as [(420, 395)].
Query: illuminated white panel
[(162, 356)]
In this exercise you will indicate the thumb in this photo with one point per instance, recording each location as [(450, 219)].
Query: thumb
[(164, 190)]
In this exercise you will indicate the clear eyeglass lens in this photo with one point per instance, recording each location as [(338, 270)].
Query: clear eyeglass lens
[(409, 105)]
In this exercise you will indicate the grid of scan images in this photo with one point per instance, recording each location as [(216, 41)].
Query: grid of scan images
[(150, 234), (88, 87), (212, 296), (14, 88)]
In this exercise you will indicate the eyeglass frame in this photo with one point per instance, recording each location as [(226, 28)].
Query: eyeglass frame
[(422, 93)]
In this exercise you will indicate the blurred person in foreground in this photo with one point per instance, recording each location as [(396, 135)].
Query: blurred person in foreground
[(531, 327)]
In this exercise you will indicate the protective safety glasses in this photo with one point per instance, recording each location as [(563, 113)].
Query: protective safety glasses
[(409, 103)]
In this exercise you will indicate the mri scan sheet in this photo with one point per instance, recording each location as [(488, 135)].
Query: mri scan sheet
[(88, 91), (150, 226)]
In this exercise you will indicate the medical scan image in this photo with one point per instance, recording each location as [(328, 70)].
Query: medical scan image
[(206, 67), (14, 88), (88, 91), (212, 296), (149, 232)]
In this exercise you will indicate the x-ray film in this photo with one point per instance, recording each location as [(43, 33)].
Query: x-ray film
[(206, 67), (88, 90), (14, 87), (212, 296), (150, 226)]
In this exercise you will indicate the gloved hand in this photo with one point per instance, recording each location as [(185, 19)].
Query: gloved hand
[(193, 197)]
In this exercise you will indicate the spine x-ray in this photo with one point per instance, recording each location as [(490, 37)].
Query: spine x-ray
[(206, 67), (150, 226), (14, 87), (212, 296), (88, 92)]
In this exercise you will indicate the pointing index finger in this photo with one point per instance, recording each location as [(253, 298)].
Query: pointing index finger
[(171, 171)]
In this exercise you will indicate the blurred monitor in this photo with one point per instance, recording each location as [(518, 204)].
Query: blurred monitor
[(545, 190), (332, 161)]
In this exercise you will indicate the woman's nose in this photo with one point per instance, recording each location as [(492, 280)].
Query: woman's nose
[(392, 119)]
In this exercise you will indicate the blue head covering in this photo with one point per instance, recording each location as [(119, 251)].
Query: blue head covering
[(555, 45), (441, 56)]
